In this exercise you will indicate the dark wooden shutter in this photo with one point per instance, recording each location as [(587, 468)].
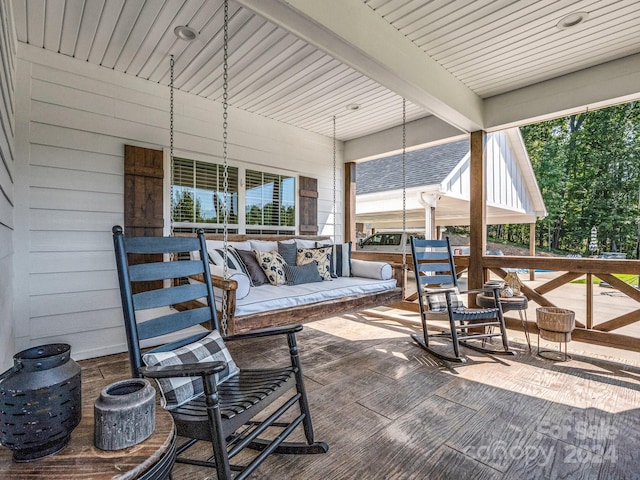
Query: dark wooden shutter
[(308, 206), (143, 200)]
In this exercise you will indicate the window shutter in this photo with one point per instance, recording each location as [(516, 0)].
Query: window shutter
[(143, 216), (308, 205)]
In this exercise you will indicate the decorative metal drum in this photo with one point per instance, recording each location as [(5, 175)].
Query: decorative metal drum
[(125, 414), (40, 401)]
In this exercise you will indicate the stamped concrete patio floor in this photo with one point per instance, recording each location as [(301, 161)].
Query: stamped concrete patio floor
[(390, 411)]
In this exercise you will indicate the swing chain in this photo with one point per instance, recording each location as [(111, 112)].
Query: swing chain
[(404, 179), (171, 126), (335, 213), (225, 159)]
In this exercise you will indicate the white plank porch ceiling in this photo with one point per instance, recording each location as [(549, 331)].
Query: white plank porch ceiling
[(492, 46)]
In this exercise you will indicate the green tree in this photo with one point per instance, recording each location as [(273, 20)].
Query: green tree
[(588, 170)]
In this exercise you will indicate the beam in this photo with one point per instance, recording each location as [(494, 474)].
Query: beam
[(356, 35), (422, 133), (600, 86)]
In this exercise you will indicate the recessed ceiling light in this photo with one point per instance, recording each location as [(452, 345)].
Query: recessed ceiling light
[(353, 107), (572, 20), (185, 33)]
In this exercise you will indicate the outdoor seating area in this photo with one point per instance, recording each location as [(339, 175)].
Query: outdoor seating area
[(402, 414)]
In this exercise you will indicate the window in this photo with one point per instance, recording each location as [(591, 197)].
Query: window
[(270, 203), (198, 194)]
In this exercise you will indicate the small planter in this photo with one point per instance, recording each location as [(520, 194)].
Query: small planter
[(125, 414), (555, 325)]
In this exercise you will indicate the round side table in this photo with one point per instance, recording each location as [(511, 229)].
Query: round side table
[(517, 303)]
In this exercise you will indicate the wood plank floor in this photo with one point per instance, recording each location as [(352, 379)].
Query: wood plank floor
[(390, 411)]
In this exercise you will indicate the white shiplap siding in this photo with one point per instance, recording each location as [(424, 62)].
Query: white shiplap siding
[(81, 116), (7, 161), (505, 187)]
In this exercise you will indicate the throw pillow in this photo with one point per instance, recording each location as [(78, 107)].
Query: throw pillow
[(250, 261), (438, 301), (298, 274), (178, 390), (340, 258), (288, 251), (321, 255), (243, 280), (233, 260), (272, 265)]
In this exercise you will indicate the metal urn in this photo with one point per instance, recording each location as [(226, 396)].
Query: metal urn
[(125, 414), (40, 401)]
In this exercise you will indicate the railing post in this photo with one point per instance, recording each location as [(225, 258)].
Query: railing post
[(589, 319)]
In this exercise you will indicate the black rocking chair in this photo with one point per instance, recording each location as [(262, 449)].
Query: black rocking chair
[(217, 410), (438, 296)]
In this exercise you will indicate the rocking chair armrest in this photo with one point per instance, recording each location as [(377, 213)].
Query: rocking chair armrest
[(184, 370), (265, 332), (218, 282)]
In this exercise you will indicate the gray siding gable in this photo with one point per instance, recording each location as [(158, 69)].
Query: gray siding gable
[(429, 166)]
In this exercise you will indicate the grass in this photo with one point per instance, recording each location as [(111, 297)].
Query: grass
[(625, 277)]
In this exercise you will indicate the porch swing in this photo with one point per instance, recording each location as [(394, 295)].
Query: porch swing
[(235, 321)]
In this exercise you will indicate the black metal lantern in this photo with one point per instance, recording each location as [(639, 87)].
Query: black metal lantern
[(40, 401)]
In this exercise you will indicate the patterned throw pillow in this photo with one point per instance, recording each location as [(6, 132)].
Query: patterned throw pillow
[(272, 265), (298, 274), (321, 255), (438, 301), (340, 258), (179, 390)]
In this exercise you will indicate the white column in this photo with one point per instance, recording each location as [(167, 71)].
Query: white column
[(429, 200)]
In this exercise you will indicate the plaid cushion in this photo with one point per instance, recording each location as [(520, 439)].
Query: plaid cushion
[(438, 301), (179, 390)]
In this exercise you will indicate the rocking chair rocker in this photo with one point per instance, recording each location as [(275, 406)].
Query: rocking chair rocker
[(209, 398), (438, 295)]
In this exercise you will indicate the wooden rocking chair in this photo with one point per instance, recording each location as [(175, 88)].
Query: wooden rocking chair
[(438, 295), (209, 398)]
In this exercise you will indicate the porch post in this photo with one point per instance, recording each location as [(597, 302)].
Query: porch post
[(350, 202), (477, 210), (532, 247)]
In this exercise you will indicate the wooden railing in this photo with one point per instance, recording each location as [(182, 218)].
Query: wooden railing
[(590, 327)]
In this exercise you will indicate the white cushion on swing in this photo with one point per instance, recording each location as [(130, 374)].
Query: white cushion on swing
[(219, 244), (370, 269), (244, 283)]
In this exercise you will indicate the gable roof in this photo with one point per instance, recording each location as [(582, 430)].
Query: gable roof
[(440, 176), (428, 166)]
